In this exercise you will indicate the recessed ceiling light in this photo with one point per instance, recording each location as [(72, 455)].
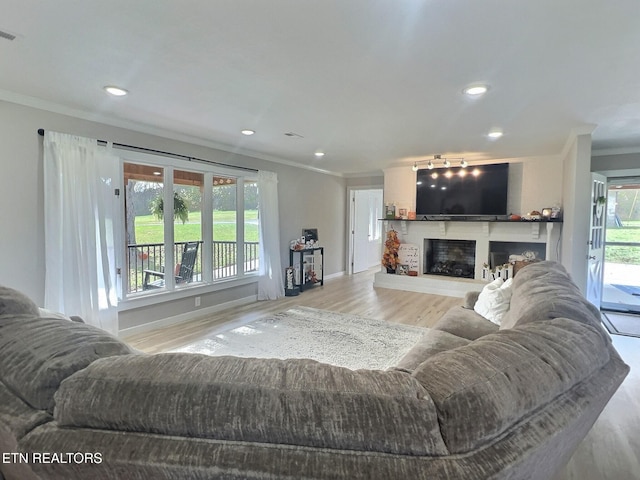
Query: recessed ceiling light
[(115, 91), (248, 132), (495, 134), (319, 154), (475, 90)]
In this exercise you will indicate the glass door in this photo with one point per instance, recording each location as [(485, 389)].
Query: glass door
[(621, 290)]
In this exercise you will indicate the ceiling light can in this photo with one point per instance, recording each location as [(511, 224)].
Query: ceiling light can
[(475, 90), (115, 91)]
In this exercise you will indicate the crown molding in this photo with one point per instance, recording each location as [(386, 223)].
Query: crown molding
[(615, 151), (53, 107)]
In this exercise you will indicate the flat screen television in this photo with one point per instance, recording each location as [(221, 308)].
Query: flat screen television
[(475, 190)]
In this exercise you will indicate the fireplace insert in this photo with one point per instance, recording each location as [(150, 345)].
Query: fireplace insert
[(453, 258)]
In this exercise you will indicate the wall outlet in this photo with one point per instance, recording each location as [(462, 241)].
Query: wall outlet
[(197, 301)]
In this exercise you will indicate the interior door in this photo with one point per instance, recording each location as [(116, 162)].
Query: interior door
[(366, 230), (595, 258)]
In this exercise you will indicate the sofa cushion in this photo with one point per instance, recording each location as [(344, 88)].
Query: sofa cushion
[(294, 402), (18, 417), (481, 389), (13, 302), (465, 323), (37, 353), (434, 341), (544, 290)]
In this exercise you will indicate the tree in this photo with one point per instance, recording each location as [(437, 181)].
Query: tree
[(391, 247), (180, 207)]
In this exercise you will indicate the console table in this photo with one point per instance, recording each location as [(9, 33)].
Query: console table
[(308, 274)]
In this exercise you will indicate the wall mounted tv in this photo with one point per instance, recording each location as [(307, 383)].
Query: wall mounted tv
[(474, 190)]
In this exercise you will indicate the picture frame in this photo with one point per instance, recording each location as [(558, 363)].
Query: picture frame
[(390, 212), (402, 269), (310, 234)]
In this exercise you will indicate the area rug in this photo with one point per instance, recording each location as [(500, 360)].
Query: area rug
[(346, 340), (622, 323)]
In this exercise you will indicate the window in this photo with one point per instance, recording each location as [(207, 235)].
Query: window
[(187, 227), (209, 235), (251, 230)]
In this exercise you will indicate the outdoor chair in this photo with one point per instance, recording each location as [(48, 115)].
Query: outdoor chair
[(184, 269)]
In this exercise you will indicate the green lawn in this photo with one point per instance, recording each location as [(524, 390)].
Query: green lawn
[(629, 233), (150, 230)]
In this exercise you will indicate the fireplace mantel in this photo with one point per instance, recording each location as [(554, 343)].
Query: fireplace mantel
[(544, 234)]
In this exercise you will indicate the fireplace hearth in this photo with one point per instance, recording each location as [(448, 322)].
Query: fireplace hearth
[(452, 258)]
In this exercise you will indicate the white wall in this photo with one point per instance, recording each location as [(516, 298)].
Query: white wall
[(576, 209), (541, 183), (534, 183), (306, 198), (400, 187)]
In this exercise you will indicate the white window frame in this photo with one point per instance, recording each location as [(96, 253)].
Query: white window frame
[(208, 283)]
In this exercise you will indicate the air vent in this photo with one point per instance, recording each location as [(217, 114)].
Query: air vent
[(293, 134), (7, 35)]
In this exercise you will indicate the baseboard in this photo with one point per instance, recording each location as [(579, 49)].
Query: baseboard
[(334, 275), (184, 317)]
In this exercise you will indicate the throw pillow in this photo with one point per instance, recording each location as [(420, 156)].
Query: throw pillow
[(494, 300)]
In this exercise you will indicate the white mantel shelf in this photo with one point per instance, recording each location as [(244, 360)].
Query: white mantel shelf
[(545, 234)]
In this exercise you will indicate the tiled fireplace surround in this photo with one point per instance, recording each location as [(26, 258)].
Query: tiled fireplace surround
[(473, 242)]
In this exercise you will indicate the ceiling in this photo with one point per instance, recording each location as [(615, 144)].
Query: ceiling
[(372, 83)]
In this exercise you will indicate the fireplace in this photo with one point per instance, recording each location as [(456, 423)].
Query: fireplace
[(453, 258)]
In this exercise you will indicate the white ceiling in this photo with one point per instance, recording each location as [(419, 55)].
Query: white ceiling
[(373, 83)]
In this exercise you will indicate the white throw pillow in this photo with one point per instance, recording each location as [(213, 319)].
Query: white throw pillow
[(494, 300)]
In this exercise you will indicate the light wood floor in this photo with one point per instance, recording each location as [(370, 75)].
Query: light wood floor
[(352, 294), (611, 451)]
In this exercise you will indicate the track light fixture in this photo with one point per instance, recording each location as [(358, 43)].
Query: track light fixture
[(431, 164)]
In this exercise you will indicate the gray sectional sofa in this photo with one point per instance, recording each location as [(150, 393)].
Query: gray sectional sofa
[(470, 401)]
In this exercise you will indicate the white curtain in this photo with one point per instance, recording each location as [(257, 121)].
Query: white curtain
[(270, 281), (80, 213)]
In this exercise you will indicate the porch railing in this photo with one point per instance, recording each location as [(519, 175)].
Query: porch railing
[(151, 256)]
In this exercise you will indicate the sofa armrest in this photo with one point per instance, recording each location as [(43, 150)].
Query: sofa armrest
[(470, 299)]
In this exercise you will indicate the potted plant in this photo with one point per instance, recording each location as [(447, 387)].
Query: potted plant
[(180, 207), (390, 255)]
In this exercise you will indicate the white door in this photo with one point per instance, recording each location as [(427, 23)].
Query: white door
[(595, 258), (366, 229)]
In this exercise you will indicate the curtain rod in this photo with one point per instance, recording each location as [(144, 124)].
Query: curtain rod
[(160, 152)]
